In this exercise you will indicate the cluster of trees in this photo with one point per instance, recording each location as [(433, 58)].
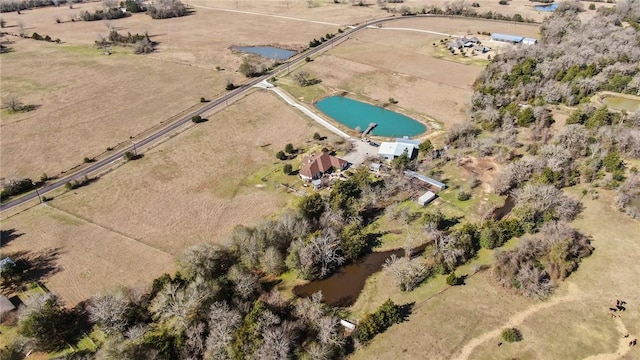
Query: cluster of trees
[(74, 184), (47, 38), (104, 14), (458, 8), (253, 66), (538, 261), (303, 78), (15, 187), (315, 42), (165, 9), (142, 43), (514, 91), (17, 5), (553, 73)]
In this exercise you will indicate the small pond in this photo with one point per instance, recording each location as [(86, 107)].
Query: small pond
[(343, 287), (268, 52), (356, 114), (620, 103), (549, 8)]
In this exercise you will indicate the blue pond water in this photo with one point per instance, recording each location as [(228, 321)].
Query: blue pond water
[(550, 7), (267, 51), (354, 114)]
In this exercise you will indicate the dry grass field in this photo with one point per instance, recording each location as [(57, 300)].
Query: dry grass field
[(87, 101), (191, 189), (395, 61), (465, 322), (85, 258)]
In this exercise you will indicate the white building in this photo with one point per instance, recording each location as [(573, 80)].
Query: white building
[(391, 150), (426, 198)]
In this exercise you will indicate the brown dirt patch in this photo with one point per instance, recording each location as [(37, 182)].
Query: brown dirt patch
[(483, 169)]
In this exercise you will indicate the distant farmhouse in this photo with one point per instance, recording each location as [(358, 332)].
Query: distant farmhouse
[(463, 42), (391, 150), (314, 166), (514, 39)]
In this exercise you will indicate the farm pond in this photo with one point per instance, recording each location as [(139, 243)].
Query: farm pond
[(358, 115)]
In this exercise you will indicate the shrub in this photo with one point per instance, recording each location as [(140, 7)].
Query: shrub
[(307, 59), (504, 2), (174, 9), (281, 155), (203, 100), (129, 156), (287, 169), (511, 335), (376, 323), (230, 86), (197, 119), (316, 136), (453, 280), (592, 6), (289, 148), (87, 160), (464, 195)]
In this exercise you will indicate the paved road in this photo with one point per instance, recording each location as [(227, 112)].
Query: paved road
[(217, 103)]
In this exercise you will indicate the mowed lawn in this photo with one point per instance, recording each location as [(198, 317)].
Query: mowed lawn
[(572, 324), (193, 188)]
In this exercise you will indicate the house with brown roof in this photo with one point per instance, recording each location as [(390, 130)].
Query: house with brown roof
[(314, 166)]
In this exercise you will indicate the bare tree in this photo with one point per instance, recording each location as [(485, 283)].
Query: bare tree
[(272, 261), (245, 284), (206, 260), (408, 274), (194, 345), (322, 254), (178, 306), (310, 310), (277, 342), (13, 103), (223, 321), (109, 311), (330, 331)]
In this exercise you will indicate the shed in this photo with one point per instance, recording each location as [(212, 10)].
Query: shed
[(529, 41), (426, 198), (375, 167), (348, 325), (507, 38), (317, 184), (6, 306), (435, 183)]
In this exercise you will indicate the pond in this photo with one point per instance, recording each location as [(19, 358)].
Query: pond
[(343, 287), (549, 8), (620, 103), (268, 52), (356, 114)]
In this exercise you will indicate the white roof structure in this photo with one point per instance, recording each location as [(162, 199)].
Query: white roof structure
[(426, 198), (395, 149)]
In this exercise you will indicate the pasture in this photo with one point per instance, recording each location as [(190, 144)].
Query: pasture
[(191, 189), (464, 322)]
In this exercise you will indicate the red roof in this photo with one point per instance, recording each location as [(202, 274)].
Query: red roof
[(319, 164)]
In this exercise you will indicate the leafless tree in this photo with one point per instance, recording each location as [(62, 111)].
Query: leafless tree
[(322, 254), (272, 261), (319, 352), (13, 103), (573, 138), (330, 331), (194, 344), (206, 260), (109, 311), (223, 321), (407, 273), (178, 306), (277, 342), (310, 310), (245, 283)]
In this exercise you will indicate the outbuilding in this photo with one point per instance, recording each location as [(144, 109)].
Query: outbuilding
[(426, 198), (515, 39)]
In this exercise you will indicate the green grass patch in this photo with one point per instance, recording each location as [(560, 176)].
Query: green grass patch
[(9, 335), (306, 94)]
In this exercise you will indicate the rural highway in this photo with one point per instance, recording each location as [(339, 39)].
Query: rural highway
[(103, 164)]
